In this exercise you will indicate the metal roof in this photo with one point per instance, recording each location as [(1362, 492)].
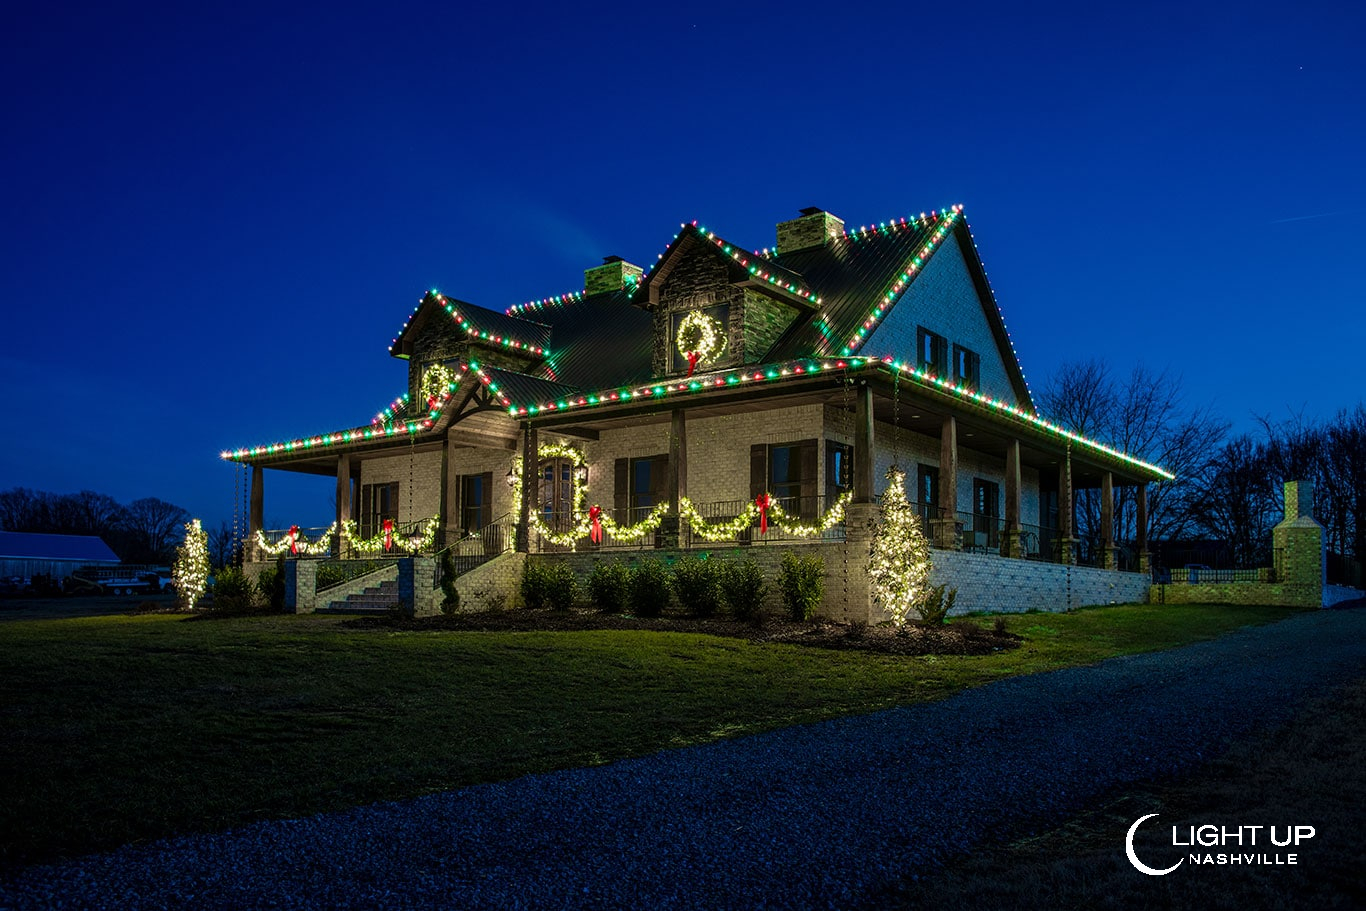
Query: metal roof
[(19, 545), (852, 274), (603, 340)]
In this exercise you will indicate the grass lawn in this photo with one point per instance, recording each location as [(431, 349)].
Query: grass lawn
[(120, 728)]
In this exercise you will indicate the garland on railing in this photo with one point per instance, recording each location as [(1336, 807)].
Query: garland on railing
[(731, 528), (388, 540), (295, 543)]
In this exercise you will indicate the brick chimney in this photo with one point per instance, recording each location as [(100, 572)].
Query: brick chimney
[(611, 276), (813, 229)]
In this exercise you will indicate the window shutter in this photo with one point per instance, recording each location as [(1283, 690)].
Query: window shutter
[(758, 469), (621, 490), (659, 479), (806, 455), (486, 505)]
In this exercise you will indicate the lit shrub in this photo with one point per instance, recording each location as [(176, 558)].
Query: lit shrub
[(802, 584), (743, 589), (697, 584), (610, 586), (649, 588)]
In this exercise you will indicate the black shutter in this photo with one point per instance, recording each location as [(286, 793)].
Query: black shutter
[(659, 480), (486, 504), (621, 491), (806, 455), (758, 469)]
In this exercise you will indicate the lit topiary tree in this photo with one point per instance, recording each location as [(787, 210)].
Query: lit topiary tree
[(190, 574), (899, 561)]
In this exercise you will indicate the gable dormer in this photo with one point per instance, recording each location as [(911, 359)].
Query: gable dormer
[(716, 305), (443, 329)]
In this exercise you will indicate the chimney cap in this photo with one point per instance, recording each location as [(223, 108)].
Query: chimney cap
[(607, 260), (811, 210)]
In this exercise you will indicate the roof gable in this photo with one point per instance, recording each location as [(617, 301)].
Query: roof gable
[(480, 326), (754, 269)]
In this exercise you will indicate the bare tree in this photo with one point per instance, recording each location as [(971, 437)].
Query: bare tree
[(156, 527), (1145, 417), (1239, 504), (224, 546)]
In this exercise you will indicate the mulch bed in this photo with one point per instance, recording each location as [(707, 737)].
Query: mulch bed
[(958, 638)]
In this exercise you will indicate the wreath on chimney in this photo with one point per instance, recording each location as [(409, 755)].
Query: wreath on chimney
[(701, 339)]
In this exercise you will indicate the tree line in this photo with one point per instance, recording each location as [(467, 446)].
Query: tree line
[(147, 530), (1228, 488)]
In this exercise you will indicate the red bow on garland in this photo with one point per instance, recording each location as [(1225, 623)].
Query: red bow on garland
[(388, 533), (693, 358), (763, 501), (294, 539), (595, 516)]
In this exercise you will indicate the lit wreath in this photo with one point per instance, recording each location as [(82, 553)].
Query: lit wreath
[(701, 339), (435, 382)]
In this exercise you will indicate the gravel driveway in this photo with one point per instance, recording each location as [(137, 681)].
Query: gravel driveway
[(814, 816)]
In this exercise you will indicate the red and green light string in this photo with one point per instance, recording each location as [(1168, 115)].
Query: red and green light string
[(899, 284), (569, 297), (469, 328), (354, 435)]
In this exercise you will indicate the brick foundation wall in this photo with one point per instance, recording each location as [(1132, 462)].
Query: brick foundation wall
[(992, 584), (1285, 594)]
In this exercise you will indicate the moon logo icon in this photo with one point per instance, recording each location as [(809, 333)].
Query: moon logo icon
[(1133, 858)]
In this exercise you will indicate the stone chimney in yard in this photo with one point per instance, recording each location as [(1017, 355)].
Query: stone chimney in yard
[(614, 274), (815, 228)]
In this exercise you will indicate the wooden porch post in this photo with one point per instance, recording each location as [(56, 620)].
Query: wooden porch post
[(863, 444), (450, 507), (1065, 540), (343, 499), (677, 479), (947, 535), (1013, 501), (1107, 521), (531, 460), (1141, 538), (256, 515)]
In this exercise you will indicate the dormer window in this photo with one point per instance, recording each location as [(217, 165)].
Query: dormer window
[(967, 367), (933, 352)]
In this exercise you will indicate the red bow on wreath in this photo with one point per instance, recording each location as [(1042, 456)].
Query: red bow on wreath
[(388, 533), (595, 516), (763, 501), (693, 357), (294, 539)]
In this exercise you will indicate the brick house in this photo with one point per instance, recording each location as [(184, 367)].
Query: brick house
[(667, 403)]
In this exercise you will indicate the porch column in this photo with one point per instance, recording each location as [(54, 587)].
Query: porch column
[(343, 499), (1141, 535), (1013, 547), (946, 526), (677, 480), (1066, 543), (1109, 559), (863, 444), (531, 460), (450, 506), (256, 515)]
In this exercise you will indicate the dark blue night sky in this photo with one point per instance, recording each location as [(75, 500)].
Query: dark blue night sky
[(215, 219)]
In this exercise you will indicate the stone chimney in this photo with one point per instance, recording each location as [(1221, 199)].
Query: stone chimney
[(1299, 500), (813, 229), (613, 275)]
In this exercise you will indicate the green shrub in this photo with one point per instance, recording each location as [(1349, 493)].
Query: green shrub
[(450, 595), (649, 588), (552, 585), (935, 606), (697, 583), (802, 583), (743, 588), (232, 591), (610, 586), (563, 588), (535, 585), (270, 585)]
